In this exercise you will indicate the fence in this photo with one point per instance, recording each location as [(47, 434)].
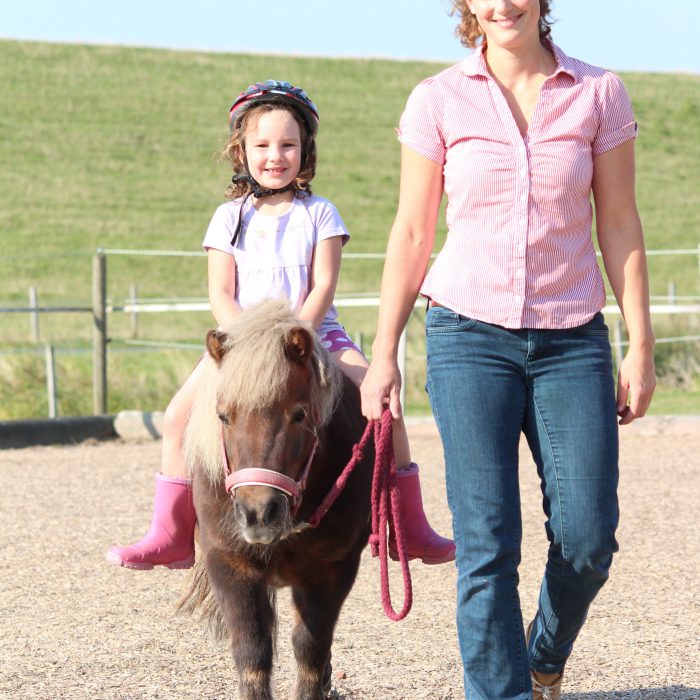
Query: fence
[(101, 308)]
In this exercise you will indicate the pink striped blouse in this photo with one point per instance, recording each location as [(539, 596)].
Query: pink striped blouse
[(519, 251)]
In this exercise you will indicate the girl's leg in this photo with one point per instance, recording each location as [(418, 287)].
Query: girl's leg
[(354, 365), (170, 539), (422, 542), (175, 419), (571, 426)]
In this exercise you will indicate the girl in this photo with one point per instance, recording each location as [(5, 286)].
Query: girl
[(273, 238)]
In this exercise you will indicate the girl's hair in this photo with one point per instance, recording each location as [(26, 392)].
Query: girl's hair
[(468, 30), (234, 151)]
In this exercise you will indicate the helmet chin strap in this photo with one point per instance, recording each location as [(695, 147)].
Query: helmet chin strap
[(259, 191)]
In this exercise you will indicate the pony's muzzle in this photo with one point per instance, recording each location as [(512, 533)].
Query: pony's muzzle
[(262, 513)]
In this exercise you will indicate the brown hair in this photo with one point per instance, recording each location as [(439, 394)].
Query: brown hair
[(468, 30), (234, 150)]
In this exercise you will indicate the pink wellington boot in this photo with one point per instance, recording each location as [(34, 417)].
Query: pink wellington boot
[(422, 542), (170, 539)]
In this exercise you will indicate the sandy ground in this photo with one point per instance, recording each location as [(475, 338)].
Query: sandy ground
[(73, 626)]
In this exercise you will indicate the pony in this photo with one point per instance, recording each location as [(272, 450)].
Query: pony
[(271, 429)]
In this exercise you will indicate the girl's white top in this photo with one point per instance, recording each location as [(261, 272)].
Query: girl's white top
[(274, 253)]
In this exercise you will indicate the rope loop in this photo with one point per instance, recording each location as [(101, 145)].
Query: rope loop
[(385, 508)]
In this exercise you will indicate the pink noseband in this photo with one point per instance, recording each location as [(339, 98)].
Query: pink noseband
[(254, 476)]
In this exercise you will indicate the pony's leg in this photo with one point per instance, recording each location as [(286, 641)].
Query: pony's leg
[(242, 595), (318, 605)]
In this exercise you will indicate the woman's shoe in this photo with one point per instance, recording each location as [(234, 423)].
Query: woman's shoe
[(551, 691), (170, 539)]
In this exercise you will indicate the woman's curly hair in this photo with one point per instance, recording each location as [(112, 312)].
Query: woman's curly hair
[(234, 150), (468, 30)]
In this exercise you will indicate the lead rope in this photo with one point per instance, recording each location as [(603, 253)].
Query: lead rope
[(386, 508)]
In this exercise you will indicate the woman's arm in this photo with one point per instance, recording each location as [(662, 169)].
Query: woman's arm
[(408, 253), (621, 243), (325, 269), (222, 286)]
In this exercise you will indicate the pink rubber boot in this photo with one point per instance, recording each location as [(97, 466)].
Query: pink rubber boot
[(422, 542), (170, 540)]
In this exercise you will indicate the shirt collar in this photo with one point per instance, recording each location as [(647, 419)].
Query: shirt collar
[(475, 64)]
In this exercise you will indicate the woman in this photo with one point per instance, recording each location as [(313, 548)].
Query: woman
[(518, 135)]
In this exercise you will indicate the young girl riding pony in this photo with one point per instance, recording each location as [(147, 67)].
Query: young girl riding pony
[(272, 239)]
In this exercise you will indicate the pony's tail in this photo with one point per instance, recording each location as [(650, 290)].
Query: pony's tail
[(199, 598)]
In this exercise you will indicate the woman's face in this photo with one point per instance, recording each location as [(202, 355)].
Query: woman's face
[(507, 23), (273, 149)]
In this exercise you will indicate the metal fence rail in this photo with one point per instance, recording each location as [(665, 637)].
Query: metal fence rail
[(101, 308)]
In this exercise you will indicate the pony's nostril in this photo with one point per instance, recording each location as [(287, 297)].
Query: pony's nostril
[(271, 513), (244, 517)]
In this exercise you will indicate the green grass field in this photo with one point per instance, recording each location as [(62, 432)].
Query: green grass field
[(108, 147)]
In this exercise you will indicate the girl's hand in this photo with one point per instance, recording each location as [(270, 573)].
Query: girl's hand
[(381, 386), (636, 381)]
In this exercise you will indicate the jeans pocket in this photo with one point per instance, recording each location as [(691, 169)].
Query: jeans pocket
[(440, 319), (594, 328)]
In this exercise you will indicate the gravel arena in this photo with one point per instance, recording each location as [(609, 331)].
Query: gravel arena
[(74, 626)]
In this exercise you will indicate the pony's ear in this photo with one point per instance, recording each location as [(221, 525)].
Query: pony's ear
[(300, 345), (216, 345)]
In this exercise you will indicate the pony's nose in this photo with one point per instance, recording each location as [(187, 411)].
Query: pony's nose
[(267, 513)]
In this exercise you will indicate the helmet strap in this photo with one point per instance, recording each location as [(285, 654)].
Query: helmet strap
[(259, 191)]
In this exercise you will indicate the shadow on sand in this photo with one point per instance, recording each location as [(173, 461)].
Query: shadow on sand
[(671, 692)]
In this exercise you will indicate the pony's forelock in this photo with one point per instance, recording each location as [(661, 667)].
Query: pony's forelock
[(252, 377)]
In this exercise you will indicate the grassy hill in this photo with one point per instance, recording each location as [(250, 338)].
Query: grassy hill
[(115, 148)]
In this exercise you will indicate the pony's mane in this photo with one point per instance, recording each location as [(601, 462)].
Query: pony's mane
[(252, 377)]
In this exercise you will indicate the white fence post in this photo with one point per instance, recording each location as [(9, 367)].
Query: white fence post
[(33, 315), (617, 342), (50, 358)]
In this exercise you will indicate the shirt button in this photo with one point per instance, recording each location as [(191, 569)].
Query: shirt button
[(523, 198), (522, 221), (521, 249), (517, 297), (523, 172), (518, 273)]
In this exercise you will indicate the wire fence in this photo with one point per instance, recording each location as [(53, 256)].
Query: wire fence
[(102, 309)]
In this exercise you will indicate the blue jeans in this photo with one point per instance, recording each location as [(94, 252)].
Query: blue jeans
[(488, 384)]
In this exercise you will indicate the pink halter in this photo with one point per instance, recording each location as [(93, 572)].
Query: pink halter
[(254, 476)]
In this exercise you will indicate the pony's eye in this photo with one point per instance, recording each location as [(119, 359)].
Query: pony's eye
[(223, 418), (298, 416)]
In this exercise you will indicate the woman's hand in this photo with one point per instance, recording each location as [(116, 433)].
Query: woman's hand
[(636, 381), (381, 386)]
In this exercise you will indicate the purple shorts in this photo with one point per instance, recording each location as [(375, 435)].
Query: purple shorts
[(337, 339)]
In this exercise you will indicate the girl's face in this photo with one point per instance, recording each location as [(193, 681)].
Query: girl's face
[(273, 148), (507, 23)]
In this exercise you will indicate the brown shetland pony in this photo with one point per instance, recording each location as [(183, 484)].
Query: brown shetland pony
[(273, 400)]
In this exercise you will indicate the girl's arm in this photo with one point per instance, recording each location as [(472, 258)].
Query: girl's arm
[(325, 269), (408, 253), (622, 245), (222, 286)]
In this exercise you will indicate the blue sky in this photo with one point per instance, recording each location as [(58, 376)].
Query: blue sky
[(643, 35)]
